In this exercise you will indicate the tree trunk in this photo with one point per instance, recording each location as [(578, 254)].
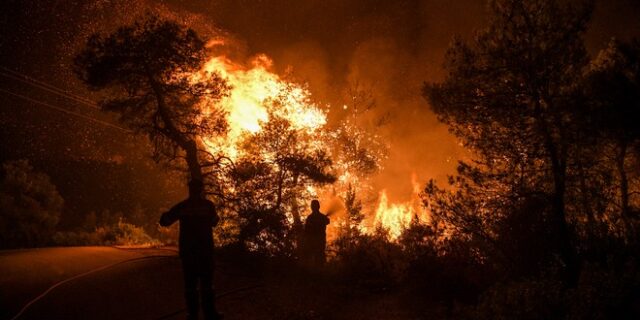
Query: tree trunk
[(557, 157), (297, 220), (279, 189), (195, 169), (584, 199), (624, 185), (170, 130)]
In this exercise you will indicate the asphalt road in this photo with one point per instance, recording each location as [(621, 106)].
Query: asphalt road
[(111, 283), (108, 283)]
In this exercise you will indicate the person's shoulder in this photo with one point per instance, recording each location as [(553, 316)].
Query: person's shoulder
[(181, 204), (208, 203), (318, 216)]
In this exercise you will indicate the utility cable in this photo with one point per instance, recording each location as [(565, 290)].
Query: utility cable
[(46, 86), (60, 109)]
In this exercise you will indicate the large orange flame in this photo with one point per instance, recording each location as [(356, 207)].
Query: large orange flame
[(246, 107), (395, 217), (251, 88)]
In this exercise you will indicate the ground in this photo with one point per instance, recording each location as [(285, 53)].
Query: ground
[(116, 283)]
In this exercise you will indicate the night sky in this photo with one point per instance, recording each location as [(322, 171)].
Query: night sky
[(391, 47)]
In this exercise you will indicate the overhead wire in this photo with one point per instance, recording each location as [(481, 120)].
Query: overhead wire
[(9, 73), (90, 105), (28, 80), (64, 110)]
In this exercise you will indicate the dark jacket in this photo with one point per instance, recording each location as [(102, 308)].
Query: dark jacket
[(197, 218), (315, 228)]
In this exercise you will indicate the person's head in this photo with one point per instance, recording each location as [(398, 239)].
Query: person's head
[(195, 188), (315, 205)]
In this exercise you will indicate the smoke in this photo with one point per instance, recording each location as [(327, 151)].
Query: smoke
[(388, 47)]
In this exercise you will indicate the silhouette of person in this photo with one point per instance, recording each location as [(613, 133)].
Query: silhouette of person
[(197, 217), (315, 230)]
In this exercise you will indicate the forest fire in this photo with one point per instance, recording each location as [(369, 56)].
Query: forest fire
[(254, 89), (251, 88), (396, 217), (418, 159)]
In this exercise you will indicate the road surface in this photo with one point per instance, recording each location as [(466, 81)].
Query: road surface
[(111, 283), (100, 283)]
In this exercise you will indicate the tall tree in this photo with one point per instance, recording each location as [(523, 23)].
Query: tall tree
[(510, 96), (30, 206), (613, 81), (353, 208), (277, 167), (147, 73)]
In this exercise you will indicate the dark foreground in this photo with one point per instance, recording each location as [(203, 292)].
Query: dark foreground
[(112, 283)]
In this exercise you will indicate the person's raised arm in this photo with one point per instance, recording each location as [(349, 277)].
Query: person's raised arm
[(170, 217), (215, 218)]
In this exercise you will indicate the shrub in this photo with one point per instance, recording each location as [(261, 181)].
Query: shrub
[(30, 206), (526, 299), (120, 233), (369, 260), (129, 234)]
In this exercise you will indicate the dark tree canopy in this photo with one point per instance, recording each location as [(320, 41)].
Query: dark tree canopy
[(613, 82), (146, 71), (271, 180), (30, 206), (511, 96)]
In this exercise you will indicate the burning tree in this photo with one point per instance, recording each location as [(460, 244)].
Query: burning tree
[(258, 140), (275, 173), (145, 71), (353, 206), (358, 149)]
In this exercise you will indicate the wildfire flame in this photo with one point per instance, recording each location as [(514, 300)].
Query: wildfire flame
[(395, 217), (251, 88), (246, 110)]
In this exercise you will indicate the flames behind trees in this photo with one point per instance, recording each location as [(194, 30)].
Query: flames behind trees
[(263, 108), (259, 140), (549, 196)]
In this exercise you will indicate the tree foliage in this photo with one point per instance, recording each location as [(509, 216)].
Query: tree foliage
[(353, 207), (613, 81), (272, 178), (30, 206), (146, 73), (511, 97)]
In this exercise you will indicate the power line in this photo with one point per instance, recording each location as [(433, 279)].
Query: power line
[(46, 84), (47, 87), (66, 111)]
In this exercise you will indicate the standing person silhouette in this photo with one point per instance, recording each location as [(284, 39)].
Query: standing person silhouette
[(197, 217), (315, 229)]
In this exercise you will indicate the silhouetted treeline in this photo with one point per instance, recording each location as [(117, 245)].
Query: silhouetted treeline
[(548, 206), (32, 209)]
